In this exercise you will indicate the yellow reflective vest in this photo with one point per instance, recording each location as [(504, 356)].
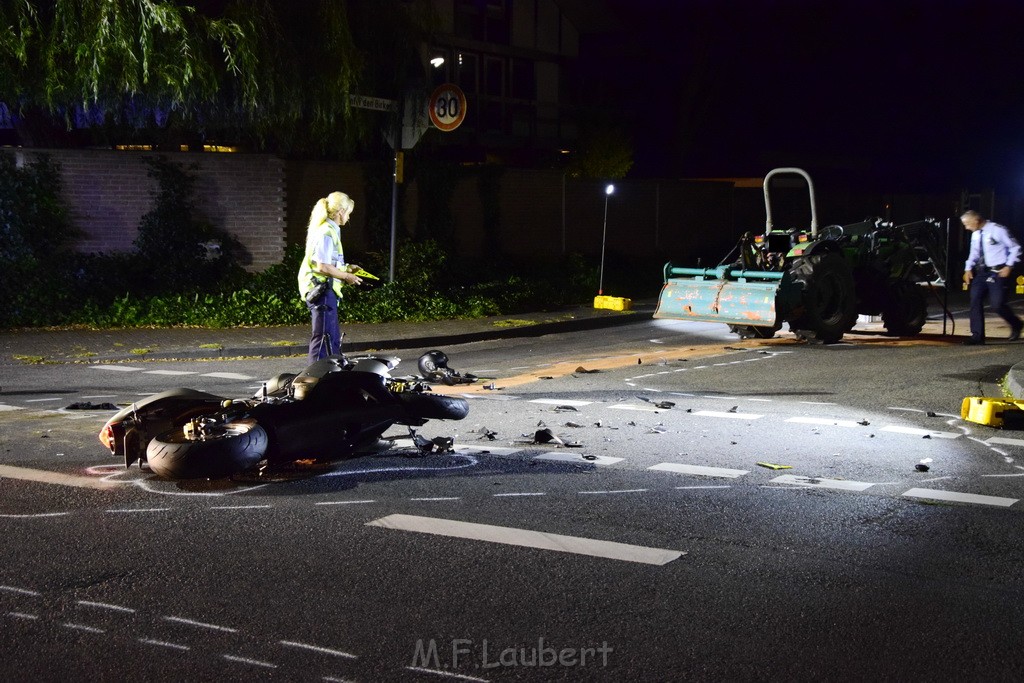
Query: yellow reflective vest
[(308, 277)]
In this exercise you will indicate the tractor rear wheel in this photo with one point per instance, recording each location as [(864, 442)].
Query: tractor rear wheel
[(829, 307), (905, 310)]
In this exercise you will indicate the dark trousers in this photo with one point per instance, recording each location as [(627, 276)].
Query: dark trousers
[(325, 328), (989, 284)]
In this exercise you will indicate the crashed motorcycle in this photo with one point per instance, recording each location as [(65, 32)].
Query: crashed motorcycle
[(333, 409)]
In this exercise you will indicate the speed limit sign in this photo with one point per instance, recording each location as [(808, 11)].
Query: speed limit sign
[(447, 107)]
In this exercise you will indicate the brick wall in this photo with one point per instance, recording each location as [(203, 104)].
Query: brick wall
[(109, 191), (265, 202)]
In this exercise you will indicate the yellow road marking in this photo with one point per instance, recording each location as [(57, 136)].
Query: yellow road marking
[(48, 477)]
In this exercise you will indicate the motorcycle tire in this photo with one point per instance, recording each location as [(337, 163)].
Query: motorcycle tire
[(434, 406), (241, 446)]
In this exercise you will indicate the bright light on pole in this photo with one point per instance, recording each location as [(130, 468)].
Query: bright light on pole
[(604, 233)]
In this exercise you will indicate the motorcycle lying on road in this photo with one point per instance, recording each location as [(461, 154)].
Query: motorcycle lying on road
[(329, 411)]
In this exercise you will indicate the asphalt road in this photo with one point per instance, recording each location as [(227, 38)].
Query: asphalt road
[(656, 542)]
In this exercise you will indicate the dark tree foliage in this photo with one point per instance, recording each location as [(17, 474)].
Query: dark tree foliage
[(269, 74)]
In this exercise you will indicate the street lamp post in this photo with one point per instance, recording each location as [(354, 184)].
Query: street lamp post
[(604, 234)]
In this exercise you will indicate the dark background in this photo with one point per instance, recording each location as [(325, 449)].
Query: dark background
[(894, 97)]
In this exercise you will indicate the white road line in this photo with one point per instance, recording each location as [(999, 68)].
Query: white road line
[(529, 539), (253, 662), (699, 470), (43, 400), (488, 450), (164, 643), (105, 605), (82, 627), (317, 648), (730, 416), (824, 421), (345, 502), (553, 456), (201, 624), (446, 674), (599, 493), (115, 368), (814, 482), (5, 408), (101, 396), (439, 498), (934, 494), (818, 403), (491, 397), (921, 432), (241, 507), (23, 615), (687, 488), (642, 409), (1004, 441), (41, 514), (561, 402), (225, 375), (22, 591), (48, 477), (169, 372), (131, 510), (525, 493)]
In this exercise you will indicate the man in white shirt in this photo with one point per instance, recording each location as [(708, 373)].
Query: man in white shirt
[(990, 261)]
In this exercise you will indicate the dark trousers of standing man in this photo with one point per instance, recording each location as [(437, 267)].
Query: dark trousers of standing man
[(325, 327), (987, 283)]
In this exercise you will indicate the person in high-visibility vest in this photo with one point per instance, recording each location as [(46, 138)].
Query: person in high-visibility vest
[(323, 270)]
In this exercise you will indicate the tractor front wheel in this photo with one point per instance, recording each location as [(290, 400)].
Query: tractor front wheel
[(829, 306), (906, 310)]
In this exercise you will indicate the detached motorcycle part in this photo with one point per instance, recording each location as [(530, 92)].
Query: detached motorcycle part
[(207, 453)]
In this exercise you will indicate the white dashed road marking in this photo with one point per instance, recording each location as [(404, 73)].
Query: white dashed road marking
[(528, 538), (226, 375), (578, 459), (953, 496), (699, 470), (813, 482), (115, 368), (921, 432), (730, 416), (1004, 441), (824, 421), (561, 402)]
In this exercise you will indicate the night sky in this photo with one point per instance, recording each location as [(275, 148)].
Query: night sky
[(896, 96)]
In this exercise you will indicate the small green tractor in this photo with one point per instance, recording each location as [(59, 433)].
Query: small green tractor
[(818, 281)]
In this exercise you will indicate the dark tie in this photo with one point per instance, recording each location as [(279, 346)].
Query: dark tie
[(981, 236)]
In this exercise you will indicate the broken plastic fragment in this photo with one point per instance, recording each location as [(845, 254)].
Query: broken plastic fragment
[(546, 436), (773, 466)]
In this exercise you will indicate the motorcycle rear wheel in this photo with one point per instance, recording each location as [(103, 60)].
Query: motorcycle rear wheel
[(434, 406), (240, 446)]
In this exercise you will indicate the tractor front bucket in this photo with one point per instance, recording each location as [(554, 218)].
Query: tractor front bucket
[(720, 295)]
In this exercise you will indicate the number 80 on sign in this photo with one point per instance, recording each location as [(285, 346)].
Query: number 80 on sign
[(447, 107)]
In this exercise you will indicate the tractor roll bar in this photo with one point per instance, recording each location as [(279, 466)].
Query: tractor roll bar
[(767, 201)]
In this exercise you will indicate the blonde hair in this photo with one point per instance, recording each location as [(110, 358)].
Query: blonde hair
[(325, 207)]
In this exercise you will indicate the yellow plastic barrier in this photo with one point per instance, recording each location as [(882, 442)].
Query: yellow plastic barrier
[(613, 303), (993, 412)]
